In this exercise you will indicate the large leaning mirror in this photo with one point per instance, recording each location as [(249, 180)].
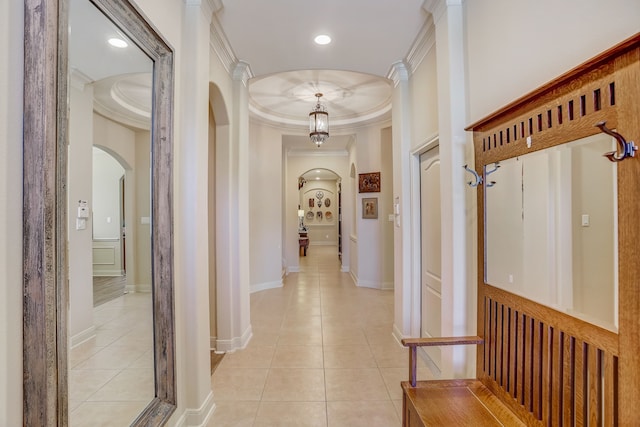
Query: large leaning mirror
[(98, 318)]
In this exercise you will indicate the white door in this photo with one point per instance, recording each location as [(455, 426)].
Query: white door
[(430, 236)]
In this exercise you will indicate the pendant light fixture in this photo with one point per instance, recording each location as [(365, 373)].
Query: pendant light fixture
[(318, 123)]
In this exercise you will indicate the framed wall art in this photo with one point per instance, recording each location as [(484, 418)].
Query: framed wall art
[(369, 182), (370, 208)]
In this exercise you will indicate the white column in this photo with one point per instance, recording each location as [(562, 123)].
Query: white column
[(401, 130), (191, 218), (459, 287), (232, 222)]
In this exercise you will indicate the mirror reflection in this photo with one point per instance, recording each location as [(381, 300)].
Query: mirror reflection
[(111, 366), (551, 228)]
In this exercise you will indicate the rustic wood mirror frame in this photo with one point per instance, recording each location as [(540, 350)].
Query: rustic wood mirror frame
[(550, 367), (45, 264)]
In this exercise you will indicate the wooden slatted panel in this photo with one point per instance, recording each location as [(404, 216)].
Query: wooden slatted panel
[(547, 373), (513, 345), (499, 342), (528, 363), (494, 334), (557, 373), (568, 381), (487, 334), (520, 357), (580, 383), (594, 376), (610, 391), (536, 358)]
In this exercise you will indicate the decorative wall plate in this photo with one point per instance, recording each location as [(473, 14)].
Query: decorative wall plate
[(310, 215), (319, 213), (327, 202), (319, 194), (328, 216), (319, 203)]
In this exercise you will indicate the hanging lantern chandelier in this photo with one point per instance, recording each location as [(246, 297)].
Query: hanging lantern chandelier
[(318, 123)]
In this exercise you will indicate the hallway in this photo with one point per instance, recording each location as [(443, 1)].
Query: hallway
[(322, 354)]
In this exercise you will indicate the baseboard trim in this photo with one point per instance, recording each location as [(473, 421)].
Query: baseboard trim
[(345, 269), (235, 343), (137, 288), (293, 269), (387, 286), (83, 336), (265, 286), (198, 417)]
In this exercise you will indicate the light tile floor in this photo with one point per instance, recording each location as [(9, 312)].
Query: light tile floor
[(111, 375), (322, 354)]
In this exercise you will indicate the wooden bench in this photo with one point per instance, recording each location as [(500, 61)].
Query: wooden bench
[(535, 365)]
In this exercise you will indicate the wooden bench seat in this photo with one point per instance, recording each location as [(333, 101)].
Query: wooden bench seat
[(453, 403)]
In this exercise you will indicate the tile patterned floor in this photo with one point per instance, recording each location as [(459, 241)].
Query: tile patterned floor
[(111, 375), (322, 354)]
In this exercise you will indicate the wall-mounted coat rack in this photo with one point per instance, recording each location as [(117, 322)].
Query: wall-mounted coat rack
[(477, 178)]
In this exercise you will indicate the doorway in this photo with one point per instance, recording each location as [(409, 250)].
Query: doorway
[(431, 250)]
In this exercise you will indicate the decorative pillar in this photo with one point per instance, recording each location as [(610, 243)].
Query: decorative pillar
[(459, 294)]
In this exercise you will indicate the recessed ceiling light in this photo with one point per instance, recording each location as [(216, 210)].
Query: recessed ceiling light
[(115, 42), (322, 39)]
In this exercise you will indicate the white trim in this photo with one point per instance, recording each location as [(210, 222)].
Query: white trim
[(293, 269), (137, 288), (314, 153), (83, 336), (399, 72), (265, 286), (415, 321), (212, 343), (397, 334), (354, 277), (235, 343), (345, 268), (198, 417), (424, 42), (387, 286), (219, 42)]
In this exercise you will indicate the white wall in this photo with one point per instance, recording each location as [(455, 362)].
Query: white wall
[(106, 190), (11, 58), (80, 188), (513, 46), (374, 236), (265, 207)]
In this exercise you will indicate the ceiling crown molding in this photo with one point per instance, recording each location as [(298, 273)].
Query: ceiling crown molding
[(424, 42), (221, 46), (241, 71), (437, 7), (78, 79), (295, 152), (208, 7), (399, 72)]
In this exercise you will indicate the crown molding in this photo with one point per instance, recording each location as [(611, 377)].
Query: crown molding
[(241, 71), (399, 72), (221, 46), (424, 42), (437, 8), (78, 79), (313, 152)]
